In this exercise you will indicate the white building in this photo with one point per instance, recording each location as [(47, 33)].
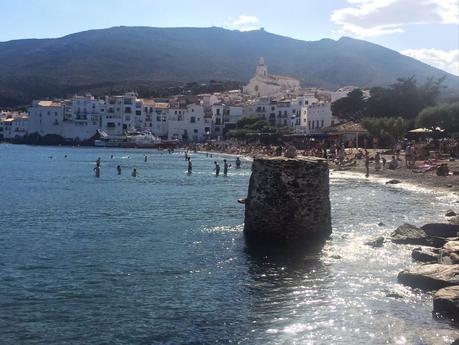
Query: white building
[(224, 115), (188, 123), (266, 85), (13, 125), (314, 117)]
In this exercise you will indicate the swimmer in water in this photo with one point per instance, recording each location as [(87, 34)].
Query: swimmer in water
[(134, 173), (118, 169), (217, 169), (145, 158), (238, 163), (97, 170)]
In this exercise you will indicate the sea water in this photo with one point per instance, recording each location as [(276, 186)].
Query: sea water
[(161, 259)]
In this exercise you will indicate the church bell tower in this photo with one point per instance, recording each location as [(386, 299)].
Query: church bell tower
[(262, 69)]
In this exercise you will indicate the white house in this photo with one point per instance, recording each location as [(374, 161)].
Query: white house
[(314, 117), (188, 123)]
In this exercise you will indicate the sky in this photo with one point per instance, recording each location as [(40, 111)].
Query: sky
[(427, 30)]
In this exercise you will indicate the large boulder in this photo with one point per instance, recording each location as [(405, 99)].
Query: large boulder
[(410, 234), (454, 220), (423, 254), (441, 229), (430, 277), (446, 302)]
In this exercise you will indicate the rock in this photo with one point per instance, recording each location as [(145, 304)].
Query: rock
[(337, 257), (446, 302), (455, 342), (380, 224), (441, 229), (430, 277), (288, 200), (454, 220), (393, 182), (426, 254), (410, 234), (450, 213), (376, 243), (241, 201)]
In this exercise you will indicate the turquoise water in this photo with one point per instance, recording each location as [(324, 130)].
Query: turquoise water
[(160, 259)]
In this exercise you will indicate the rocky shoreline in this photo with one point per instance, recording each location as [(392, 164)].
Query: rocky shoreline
[(438, 258)]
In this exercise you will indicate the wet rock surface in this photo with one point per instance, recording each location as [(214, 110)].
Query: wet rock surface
[(446, 303), (441, 229), (430, 277), (379, 242), (410, 234)]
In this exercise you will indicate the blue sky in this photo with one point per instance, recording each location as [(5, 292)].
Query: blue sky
[(425, 29)]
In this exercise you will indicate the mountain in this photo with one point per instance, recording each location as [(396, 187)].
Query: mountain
[(129, 57)]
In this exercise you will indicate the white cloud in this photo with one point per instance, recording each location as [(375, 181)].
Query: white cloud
[(243, 23), (445, 60), (364, 18)]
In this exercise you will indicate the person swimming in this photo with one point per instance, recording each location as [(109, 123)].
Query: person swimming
[(134, 173), (118, 169)]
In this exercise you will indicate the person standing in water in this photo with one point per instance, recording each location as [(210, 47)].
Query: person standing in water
[(238, 163), (98, 162), (145, 159), (134, 173), (225, 167), (118, 169), (367, 163), (97, 170), (190, 166), (217, 169)]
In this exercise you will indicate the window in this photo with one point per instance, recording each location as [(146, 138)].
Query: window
[(138, 112), (322, 124), (196, 131), (127, 110), (111, 124), (192, 119), (158, 118)]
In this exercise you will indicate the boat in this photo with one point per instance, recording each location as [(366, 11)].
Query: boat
[(134, 139)]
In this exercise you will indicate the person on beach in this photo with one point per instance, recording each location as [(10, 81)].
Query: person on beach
[(238, 163), (134, 173), (97, 170), (118, 169), (393, 163), (377, 161), (408, 153), (217, 169), (367, 163), (225, 167), (190, 166)]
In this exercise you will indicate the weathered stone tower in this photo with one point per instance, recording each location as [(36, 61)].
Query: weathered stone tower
[(288, 200)]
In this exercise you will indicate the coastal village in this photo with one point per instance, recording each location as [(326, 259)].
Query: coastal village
[(277, 99)]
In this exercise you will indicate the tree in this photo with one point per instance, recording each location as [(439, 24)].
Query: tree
[(351, 107), (445, 116), (388, 130)]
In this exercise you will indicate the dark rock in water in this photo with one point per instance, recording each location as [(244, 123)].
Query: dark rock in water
[(288, 201), (376, 243), (410, 234), (430, 277), (429, 255), (455, 342), (446, 303), (393, 182), (441, 229), (337, 257), (380, 224), (454, 220), (241, 201), (450, 213)]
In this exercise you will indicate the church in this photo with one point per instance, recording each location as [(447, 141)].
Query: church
[(265, 85)]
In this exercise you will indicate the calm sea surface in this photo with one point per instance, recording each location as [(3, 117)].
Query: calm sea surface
[(161, 259)]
